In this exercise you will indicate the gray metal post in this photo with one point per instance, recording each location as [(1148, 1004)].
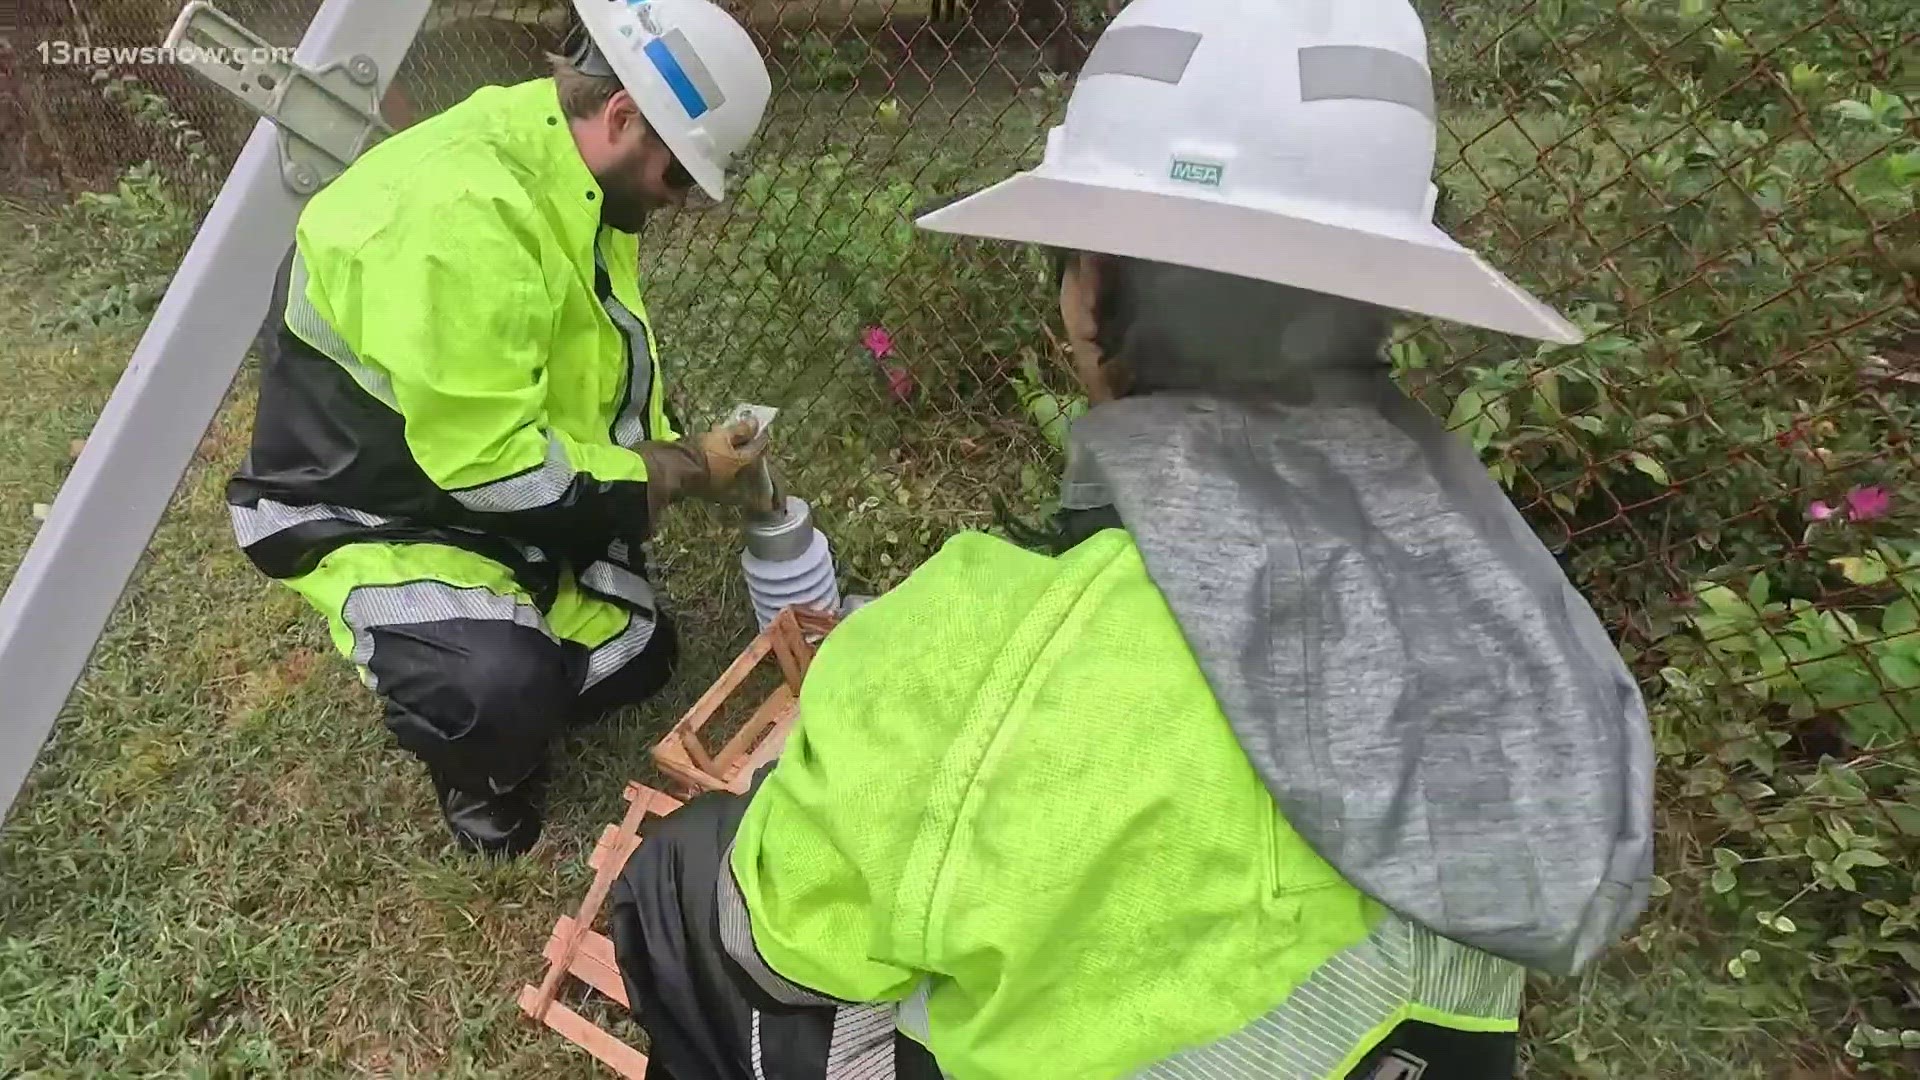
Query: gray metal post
[(100, 524)]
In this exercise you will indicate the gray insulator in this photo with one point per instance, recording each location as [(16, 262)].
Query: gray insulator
[(788, 563)]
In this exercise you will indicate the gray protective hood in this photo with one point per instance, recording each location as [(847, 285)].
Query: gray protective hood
[(1432, 705)]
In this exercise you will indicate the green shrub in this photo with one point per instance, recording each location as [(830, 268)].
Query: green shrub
[(815, 60), (1724, 198), (109, 256)]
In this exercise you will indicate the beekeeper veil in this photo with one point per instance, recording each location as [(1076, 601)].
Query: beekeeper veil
[(1433, 706)]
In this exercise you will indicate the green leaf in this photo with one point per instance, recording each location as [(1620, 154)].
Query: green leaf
[(1546, 388), (1901, 618), (1861, 569), (1860, 857), (1724, 859), (1593, 425), (1649, 466), (1838, 827), (1737, 967), (1659, 886), (1905, 817), (1900, 671), (1724, 881), (1757, 590), (1725, 602), (1840, 781), (1903, 168), (1853, 110), (1468, 408), (1821, 849)]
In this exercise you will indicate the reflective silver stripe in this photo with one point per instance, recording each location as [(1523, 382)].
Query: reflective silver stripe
[(861, 1047), (252, 524), (1082, 487), (307, 325), (371, 606), (1159, 53), (622, 584), (619, 651), (539, 486), (1364, 73), (862, 1044), (619, 582), (759, 1065), (1453, 978), (736, 936), (528, 551), (1348, 997), (630, 429), (912, 1018), (617, 551)]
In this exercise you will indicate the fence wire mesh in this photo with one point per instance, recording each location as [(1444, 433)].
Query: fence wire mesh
[(1722, 193)]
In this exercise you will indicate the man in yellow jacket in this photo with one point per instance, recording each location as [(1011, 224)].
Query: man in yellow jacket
[(1290, 755), (462, 442)]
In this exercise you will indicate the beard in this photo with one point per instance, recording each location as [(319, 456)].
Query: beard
[(625, 203)]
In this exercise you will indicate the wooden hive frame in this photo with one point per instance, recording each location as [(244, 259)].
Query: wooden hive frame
[(574, 948), (684, 758)]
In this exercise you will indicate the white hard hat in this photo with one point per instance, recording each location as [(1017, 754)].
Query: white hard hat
[(1285, 141), (693, 71)]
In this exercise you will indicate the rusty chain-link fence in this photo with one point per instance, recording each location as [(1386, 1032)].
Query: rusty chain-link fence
[(1722, 191)]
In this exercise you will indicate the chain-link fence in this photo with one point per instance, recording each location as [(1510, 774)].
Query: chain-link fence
[(1723, 193)]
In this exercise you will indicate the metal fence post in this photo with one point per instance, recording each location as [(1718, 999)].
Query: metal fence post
[(79, 565)]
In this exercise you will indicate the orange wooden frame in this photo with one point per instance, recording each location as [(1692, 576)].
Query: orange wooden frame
[(684, 758), (574, 947)]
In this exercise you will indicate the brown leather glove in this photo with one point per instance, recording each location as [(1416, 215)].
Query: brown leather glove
[(706, 467), (727, 454)]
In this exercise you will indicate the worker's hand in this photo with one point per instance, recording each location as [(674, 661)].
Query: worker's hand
[(728, 451), (709, 467)]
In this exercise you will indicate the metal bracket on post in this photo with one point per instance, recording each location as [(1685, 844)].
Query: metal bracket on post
[(326, 116)]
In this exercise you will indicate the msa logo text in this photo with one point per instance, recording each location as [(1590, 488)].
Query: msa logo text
[(1204, 173)]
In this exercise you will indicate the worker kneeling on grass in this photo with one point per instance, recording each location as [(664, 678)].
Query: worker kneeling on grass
[(1294, 753), (462, 439)]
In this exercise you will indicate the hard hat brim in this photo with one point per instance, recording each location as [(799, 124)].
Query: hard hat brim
[(1376, 260)]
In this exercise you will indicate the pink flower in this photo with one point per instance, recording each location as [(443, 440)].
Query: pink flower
[(1867, 503), (1819, 511), (899, 382), (877, 341)]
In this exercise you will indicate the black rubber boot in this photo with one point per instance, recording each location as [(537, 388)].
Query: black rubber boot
[(501, 826)]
